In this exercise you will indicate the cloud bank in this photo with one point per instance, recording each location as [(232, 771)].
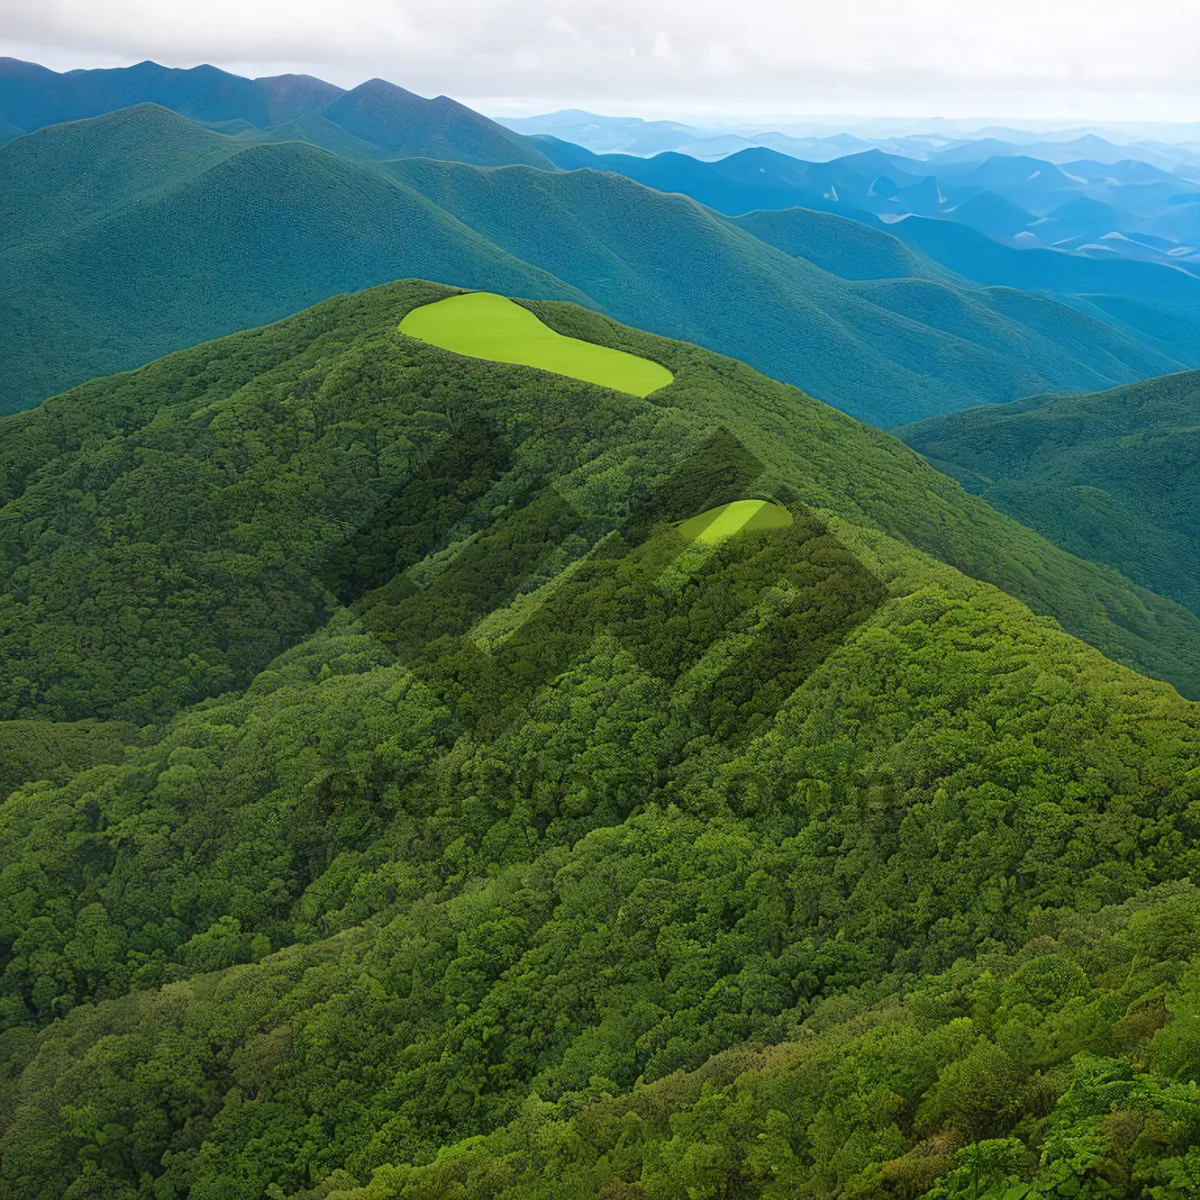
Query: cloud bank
[(956, 57)]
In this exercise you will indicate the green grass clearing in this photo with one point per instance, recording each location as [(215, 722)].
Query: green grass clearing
[(483, 325), (738, 517)]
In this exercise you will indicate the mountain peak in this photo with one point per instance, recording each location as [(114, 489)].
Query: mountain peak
[(408, 125)]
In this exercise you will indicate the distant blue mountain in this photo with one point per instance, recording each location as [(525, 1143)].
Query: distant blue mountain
[(32, 96), (1022, 201), (1161, 304), (375, 119)]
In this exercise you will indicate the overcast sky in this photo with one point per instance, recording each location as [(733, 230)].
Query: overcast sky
[(1099, 60)]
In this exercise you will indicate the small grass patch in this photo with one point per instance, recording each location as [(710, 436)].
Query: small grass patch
[(738, 517), (482, 325)]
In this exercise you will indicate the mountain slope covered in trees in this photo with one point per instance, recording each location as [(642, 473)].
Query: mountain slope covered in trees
[(476, 834), (1159, 305), (1112, 476), (112, 267), (374, 119), (238, 612)]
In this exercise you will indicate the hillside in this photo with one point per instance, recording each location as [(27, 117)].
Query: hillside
[(249, 232), (505, 841), (403, 125), (1129, 624), (219, 236), (1111, 477), (840, 245), (1022, 201), (1126, 211), (32, 96), (373, 120), (1160, 306)]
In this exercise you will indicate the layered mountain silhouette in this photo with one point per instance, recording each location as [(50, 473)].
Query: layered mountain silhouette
[(1110, 476), (376, 118), (1006, 198), (139, 232), (32, 96)]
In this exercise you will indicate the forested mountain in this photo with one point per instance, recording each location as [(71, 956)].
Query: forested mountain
[(1131, 157), (374, 120), (1020, 201), (1162, 307), (112, 265), (1118, 210), (32, 96), (473, 832), (1114, 477)]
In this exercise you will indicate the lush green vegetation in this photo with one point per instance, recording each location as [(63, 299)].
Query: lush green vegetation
[(49, 750), (508, 839), (223, 477), (1111, 477), (249, 231), (377, 119), (482, 325)]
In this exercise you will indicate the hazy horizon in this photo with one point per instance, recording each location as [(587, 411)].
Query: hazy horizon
[(1072, 63), (801, 122)]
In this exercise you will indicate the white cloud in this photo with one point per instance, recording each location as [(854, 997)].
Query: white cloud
[(960, 57)]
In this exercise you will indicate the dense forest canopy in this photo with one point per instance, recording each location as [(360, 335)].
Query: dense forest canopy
[(418, 808), (1111, 476)]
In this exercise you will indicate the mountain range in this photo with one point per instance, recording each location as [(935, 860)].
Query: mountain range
[(1100, 202), (938, 142), (1126, 210), (483, 717), (210, 232), (408, 805), (1111, 477)]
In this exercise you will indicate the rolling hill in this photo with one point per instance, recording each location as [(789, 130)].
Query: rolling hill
[(403, 125), (1161, 306), (246, 232), (1037, 204), (1132, 625), (495, 832), (988, 184), (1112, 477)]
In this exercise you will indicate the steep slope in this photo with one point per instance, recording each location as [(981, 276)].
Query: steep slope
[(840, 245), (557, 854), (1112, 477), (372, 120), (672, 266), (402, 124), (129, 154), (220, 237), (1159, 305), (245, 617), (267, 228)]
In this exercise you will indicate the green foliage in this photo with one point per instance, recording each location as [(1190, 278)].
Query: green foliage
[(1110, 477), (496, 839), (33, 750), (201, 498)]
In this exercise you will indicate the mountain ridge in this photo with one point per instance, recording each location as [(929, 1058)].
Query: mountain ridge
[(559, 850), (1110, 476), (794, 320)]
